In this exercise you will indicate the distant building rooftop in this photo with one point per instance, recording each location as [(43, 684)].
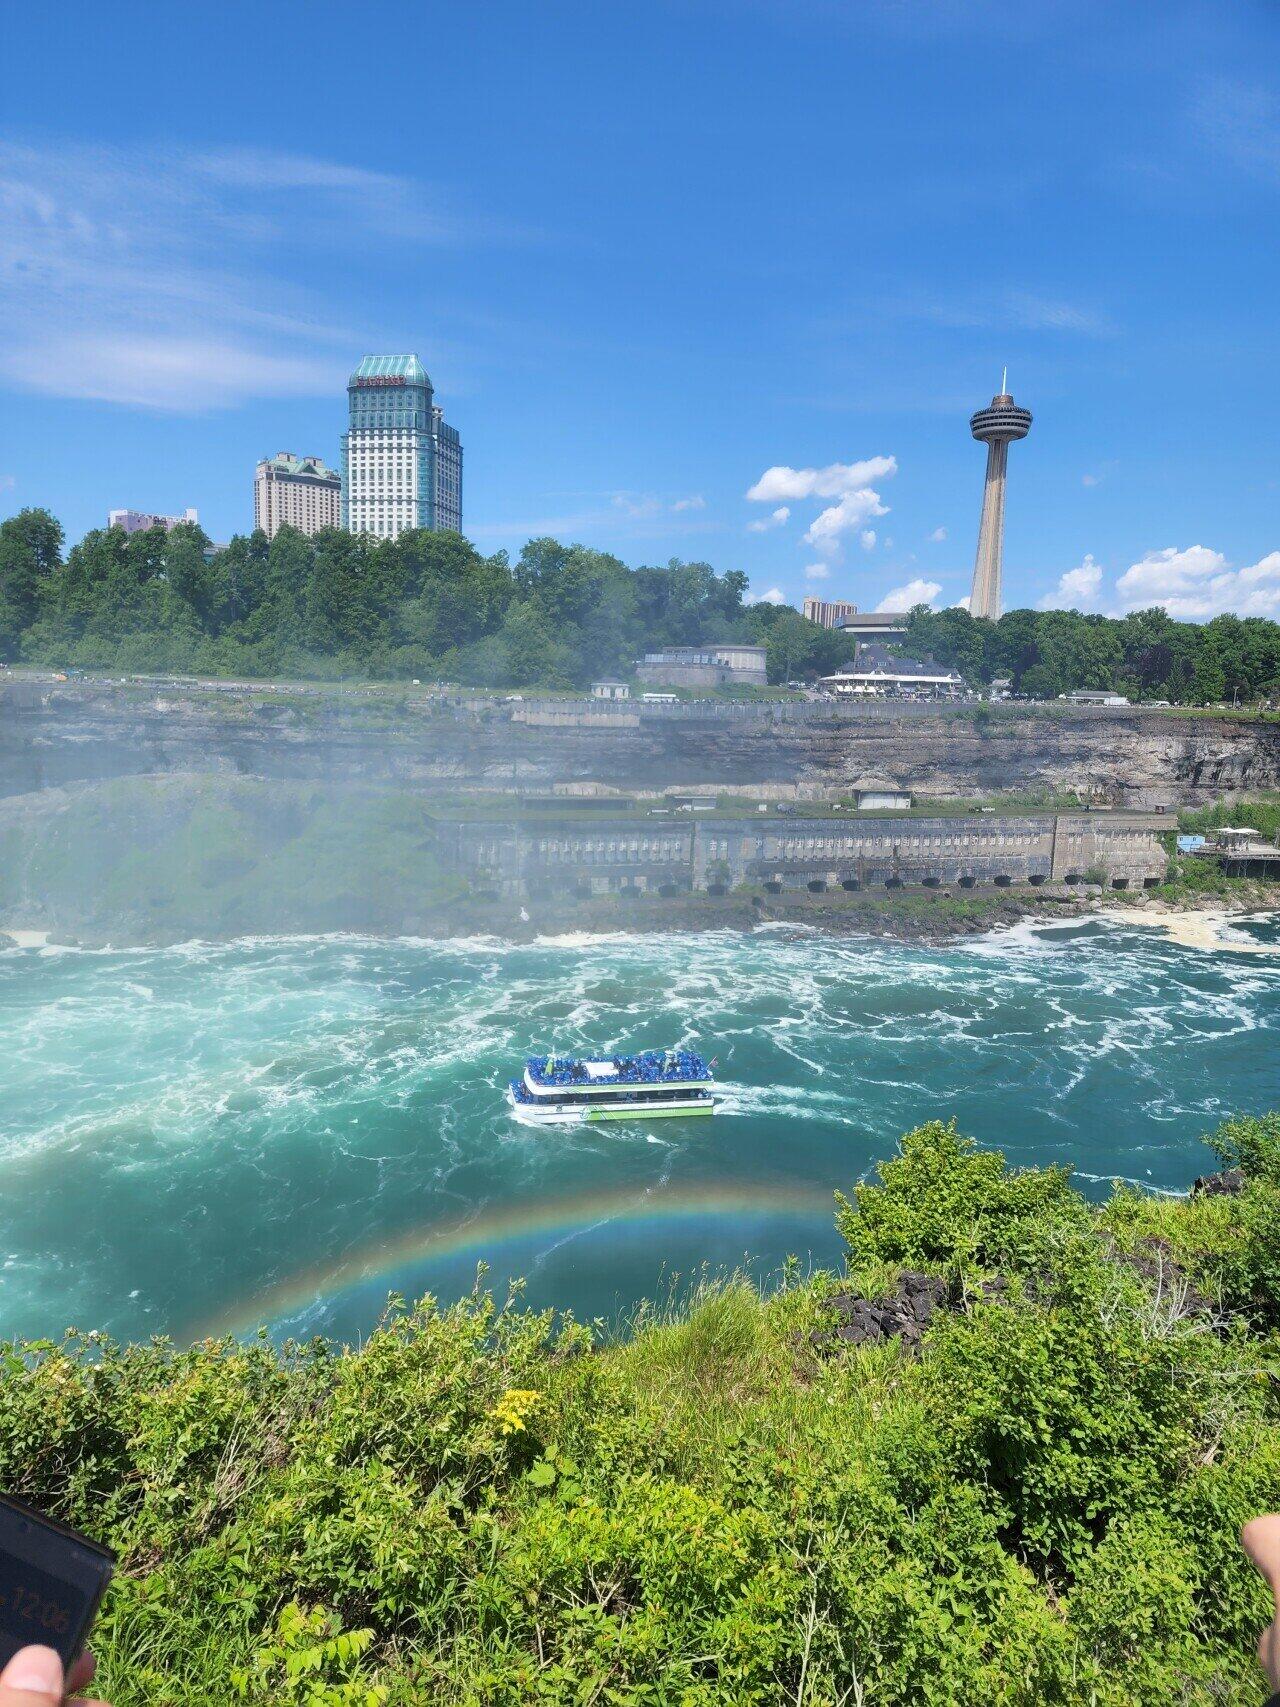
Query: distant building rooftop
[(407, 368), (875, 622), (877, 671), (285, 462)]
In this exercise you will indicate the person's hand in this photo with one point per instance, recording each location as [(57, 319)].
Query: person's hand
[(33, 1678), (1260, 1539)]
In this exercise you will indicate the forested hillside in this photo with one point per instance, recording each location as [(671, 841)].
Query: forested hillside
[(430, 605), (1145, 655), (1002, 1459)]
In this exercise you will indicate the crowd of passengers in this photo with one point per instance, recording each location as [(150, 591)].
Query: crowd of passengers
[(651, 1067)]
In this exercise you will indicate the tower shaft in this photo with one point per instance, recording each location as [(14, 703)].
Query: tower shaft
[(988, 564)]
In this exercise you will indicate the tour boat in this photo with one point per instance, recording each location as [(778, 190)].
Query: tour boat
[(656, 1084)]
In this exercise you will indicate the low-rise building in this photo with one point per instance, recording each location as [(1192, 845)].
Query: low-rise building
[(829, 613), (610, 690), (297, 492), (1095, 696), (141, 521), (703, 849), (878, 794), (727, 664), (876, 674), (875, 624)]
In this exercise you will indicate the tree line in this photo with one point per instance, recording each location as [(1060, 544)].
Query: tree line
[(429, 605), (1146, 655)]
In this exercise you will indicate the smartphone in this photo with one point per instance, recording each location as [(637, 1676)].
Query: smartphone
[(51, 1580)]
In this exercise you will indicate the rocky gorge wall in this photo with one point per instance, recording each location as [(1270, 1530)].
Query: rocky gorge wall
[(56, 734)]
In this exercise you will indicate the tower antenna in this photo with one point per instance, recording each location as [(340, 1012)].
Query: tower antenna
[(1004, 383)]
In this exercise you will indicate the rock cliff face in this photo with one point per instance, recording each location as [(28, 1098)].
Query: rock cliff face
[(52, 735)]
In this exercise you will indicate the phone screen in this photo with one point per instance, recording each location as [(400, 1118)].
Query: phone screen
[(51, 1580)]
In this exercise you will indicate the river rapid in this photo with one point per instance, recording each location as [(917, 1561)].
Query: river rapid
[(202, 1138)]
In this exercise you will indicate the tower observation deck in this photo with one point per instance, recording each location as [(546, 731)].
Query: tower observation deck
[(996, 427)]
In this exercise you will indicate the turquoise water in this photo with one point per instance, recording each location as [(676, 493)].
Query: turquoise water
[(196, 1139)]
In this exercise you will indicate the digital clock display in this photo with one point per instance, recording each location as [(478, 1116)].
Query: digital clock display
[(34, 1607), (51, 1579)]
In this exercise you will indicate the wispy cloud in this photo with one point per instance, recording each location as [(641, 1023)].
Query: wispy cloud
[(633, 515), (937, 536), (1012, 310), (115, 282), (777, 519), (1242, 121)]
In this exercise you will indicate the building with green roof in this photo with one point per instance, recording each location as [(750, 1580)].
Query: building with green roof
[(401, 461), (297, 492)]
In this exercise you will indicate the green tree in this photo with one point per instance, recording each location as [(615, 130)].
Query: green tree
[(30, 553)]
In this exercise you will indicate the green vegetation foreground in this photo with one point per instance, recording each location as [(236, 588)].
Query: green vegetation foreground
[(1026, 1489)]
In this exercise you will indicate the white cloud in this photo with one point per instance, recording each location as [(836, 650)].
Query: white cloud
[(962, 604), (695, 502), (116, 282), (917, 592), (1089, 479), (848, 482), (816, 572), (867, 539), (7, 482), (1077, 588), (778, 519), (773, 597), (826, 532), (836, 480), (938, 535), (1196, 583)]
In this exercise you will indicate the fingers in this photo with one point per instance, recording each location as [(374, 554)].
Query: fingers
[(1269, 1654), (81, 1673), (1260, 1539), (32, 1678)]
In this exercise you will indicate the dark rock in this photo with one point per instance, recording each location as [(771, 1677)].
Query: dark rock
[(903, 1315), (1229, 1182)]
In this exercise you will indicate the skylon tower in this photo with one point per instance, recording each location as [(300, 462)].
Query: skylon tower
[(996, 427)]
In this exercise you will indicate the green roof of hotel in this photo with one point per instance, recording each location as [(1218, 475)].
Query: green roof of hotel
[(285, 463), (392, 367)]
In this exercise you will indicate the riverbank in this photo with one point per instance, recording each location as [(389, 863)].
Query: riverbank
[(930, 916)]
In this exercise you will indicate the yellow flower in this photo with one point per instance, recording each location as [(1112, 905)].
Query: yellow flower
[(512, 1409)]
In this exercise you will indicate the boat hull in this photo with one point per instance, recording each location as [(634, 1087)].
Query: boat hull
[(533, 1115)]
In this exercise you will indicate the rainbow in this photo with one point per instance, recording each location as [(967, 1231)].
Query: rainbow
[(486, 1235)]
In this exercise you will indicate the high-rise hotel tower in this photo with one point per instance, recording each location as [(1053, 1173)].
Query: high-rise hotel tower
[(401, 464)]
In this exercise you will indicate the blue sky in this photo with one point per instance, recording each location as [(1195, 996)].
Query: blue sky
[(649, 253)]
